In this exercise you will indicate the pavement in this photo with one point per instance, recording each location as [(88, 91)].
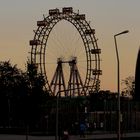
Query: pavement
[(73, 137)]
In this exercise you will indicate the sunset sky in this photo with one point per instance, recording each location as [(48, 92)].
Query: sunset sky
[(108, 17)]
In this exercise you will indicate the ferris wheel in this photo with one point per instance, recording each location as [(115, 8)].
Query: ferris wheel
[(65, 50)]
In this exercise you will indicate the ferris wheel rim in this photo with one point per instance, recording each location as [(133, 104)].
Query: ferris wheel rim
[(81, 26)]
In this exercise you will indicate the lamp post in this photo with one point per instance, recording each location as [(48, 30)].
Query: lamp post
[(118, 78)]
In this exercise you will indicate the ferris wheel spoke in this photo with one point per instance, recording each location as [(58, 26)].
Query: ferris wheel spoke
[(76, 50), (61, 45), (55, 40)]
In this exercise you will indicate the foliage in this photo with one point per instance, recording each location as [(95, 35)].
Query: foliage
[(10, 83), (22, 97), (98, 100), (129, 86)]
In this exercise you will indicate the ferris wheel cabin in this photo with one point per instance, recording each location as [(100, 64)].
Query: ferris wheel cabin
[(54, 12), (42, 23), (67, 10), (34, 42), (95, 51)]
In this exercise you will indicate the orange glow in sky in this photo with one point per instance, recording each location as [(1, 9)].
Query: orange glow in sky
[(18, 20)]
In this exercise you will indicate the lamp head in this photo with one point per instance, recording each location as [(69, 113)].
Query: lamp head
[(124, 32)]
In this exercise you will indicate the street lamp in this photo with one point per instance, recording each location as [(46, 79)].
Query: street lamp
[(118, 78)]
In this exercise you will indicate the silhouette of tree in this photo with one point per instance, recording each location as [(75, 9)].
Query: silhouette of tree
[(129, 86), (22, 97), (98, 100), (37, 96), (10, 81)]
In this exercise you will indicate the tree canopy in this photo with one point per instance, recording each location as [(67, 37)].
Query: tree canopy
[(21, 95)]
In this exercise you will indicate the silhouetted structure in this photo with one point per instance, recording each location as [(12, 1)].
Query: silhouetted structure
[(137, 79), (79, 82)]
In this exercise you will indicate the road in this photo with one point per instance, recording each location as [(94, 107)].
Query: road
[(87, 137)]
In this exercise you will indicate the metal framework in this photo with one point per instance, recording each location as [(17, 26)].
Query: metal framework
[(58, 80), (75, 81), (38, 52)]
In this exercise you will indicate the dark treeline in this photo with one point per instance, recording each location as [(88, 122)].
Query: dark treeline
[(22, 97)]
